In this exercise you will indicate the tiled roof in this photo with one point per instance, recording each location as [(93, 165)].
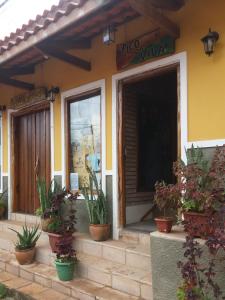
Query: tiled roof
[(64, 8)]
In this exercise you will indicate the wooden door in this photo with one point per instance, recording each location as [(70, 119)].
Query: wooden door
[(31, 158)]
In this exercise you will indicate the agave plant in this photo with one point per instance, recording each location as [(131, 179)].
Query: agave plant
[(95, 200), (46, 195), (28, 238)]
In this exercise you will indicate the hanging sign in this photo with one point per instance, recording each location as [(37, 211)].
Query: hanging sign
[(142, 49), (25, 99)]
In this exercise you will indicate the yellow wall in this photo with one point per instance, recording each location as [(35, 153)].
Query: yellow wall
[(206, 83)]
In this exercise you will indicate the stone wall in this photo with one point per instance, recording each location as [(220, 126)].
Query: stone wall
[(166, 251)]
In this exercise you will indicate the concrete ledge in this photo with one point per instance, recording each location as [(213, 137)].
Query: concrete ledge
[(166, 251)]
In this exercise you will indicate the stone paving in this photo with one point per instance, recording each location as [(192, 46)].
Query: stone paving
[(34, 290)]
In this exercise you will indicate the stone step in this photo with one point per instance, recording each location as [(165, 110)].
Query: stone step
[(129, 279), (126, 279), (31, 219), (131, 254), (135, 237), (78, 288)]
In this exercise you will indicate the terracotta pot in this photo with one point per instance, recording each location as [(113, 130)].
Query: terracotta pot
[(55, 239), (99, 232), (25, 257), (45, 223), (200, 225), (164, 224)]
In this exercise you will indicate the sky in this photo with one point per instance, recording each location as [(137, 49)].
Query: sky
[(15, 13)]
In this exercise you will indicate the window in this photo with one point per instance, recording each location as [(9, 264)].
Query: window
[(84, 139)]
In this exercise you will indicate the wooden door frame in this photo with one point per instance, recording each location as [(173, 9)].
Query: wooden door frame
[(12, 114), (121, 144), (119, 208)]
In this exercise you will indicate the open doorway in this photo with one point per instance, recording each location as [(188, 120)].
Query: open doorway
[(149, 141)]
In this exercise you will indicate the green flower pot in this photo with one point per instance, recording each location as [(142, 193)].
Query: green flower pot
[(65, 270)]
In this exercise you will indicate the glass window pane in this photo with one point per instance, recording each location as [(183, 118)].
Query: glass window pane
[(85, 140)]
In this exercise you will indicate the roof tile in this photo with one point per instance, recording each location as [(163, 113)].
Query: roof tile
[(65, 7)]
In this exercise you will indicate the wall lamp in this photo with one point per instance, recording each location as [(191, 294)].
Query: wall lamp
[(51, 94), (209, 41), (109, 35)]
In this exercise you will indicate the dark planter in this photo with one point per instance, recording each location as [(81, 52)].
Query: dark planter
[(200, 225), (164, 224), (65, 270), (55, 239), (99, 232)]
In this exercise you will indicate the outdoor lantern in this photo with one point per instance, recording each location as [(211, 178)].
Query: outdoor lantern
[(109, 35), (52, 93), (209, 41)]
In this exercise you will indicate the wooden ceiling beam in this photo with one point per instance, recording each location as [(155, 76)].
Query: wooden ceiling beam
[(16, 83), (172, 5), (145, 8), (65, 57), (13, 71), (68, 43)]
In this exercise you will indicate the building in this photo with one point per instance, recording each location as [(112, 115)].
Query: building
[(102, 111)]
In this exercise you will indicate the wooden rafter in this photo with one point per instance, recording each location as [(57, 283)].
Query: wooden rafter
[(145, 8), (13, 71), (66, 44), (64, 56), (16, 83), (172, 5)]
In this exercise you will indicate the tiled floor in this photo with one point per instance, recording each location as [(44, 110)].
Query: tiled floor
[(36, 291)]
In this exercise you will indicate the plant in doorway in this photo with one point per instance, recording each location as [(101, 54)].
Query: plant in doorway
[(25, 245), (97, 208), (167, 199), (65, 260), (63, 220)]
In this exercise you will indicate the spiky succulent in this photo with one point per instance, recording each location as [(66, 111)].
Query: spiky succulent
[(28, 238)]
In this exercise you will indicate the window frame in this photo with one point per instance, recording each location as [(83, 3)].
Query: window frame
[(79, 98)]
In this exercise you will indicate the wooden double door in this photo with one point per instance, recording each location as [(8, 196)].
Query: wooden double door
[(32, 157)]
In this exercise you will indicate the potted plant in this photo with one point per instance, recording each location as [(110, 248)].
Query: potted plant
[(97, 209), (166, 198), (63, 220), (204, 189), (46, 194), (65, 260), (2, 204), (25, 246)]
